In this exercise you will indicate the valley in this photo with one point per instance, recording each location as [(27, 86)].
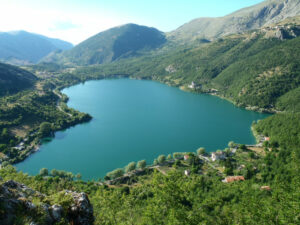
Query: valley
[(135, 120), (97, 110)]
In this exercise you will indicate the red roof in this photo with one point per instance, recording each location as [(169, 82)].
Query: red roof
[(234, 178), (267, 188), (186, 157)]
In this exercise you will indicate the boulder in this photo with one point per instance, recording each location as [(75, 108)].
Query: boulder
[(81, 211), (56, 212), (16, 199)]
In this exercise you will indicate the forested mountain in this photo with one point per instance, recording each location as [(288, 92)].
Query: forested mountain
[(257, 68), (116, 43), (14, 79), (254, 17), (253, 60), (21, 47)]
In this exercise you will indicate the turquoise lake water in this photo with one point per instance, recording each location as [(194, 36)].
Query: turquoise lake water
[(135, 120)]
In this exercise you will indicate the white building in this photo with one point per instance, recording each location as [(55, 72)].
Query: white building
[(217, 156), (192, 85)]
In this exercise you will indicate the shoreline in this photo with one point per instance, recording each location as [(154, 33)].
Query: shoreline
[(37, 145)]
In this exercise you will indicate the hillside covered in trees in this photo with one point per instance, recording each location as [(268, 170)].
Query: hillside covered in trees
[(257, 69), (14, 79)]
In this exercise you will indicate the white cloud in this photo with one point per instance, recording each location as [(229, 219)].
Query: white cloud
[(74, 26)]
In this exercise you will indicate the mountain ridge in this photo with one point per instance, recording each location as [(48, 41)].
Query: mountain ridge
[(22, 47), (14, 79), (118, 42), (249, 18)]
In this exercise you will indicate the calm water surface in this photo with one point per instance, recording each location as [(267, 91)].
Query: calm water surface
[(135, 120)]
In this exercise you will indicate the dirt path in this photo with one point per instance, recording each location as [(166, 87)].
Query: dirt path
[(58, 106)]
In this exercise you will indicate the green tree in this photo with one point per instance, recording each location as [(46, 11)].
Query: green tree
[(155, 162), (178, 155), (54, 172), (192, 159), (44, 172), (130, 167), (5, 163), (115, 173), (45, 129), (248, 172), (78, 176), (243, 147), (231, 144), (201, 151), (141, 164), (228, 167), (227, 151), (266, 144), (251, 155), (4, 136), (161, 159), (169, 157)]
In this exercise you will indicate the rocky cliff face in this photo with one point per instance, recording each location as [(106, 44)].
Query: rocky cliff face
[(21, 204), (81, 211), (254, 17)]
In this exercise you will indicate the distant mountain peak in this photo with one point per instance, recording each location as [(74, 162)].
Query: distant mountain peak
[(118, 42), (21, 47), (253, 17)]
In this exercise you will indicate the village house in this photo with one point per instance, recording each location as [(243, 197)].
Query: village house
[(218, 156), (186, 157), (20, 146), (192, 85), (267, 138), (231, 179)]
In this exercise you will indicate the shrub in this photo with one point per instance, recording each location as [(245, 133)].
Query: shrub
[(201, 151), (178, 155), (169, 157), (141, 164), (115, 173), (161, 159), (130, 167), (44, 172)]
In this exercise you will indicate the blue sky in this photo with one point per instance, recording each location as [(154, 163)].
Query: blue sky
[(76, 20)]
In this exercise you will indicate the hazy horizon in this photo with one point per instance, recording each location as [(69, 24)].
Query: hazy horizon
[(75, 21)]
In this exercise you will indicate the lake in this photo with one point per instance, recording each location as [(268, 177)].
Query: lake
[(135, 120)]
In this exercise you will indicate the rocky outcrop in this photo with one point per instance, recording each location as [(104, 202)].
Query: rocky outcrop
[(255, 17), (81, 211), (16, 201)]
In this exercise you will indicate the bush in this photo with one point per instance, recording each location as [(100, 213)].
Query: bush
[(161, 159), (201, 151), (141, 164), (54, 172), (130, 167), (115, 173), (231, 144), (44, 172), (251, 155), (46, 130), (178, 155), (243, 147)]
